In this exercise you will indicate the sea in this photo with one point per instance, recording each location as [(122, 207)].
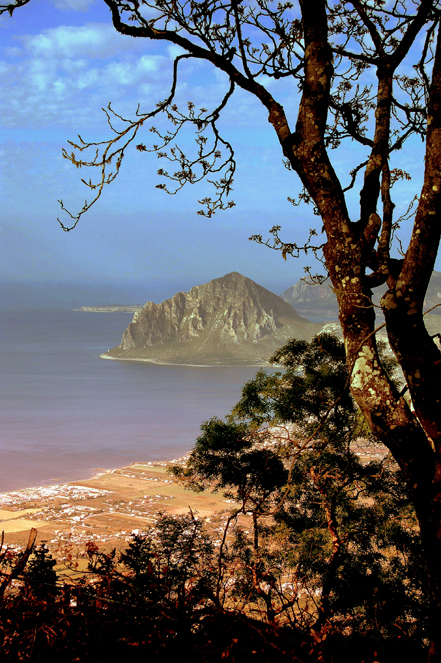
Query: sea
[(65, 413)]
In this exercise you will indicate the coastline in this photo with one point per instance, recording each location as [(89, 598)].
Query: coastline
[(109, 507), (163, 363), (106, 508)]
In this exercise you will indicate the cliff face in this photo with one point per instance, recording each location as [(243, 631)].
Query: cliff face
[(230, 320)]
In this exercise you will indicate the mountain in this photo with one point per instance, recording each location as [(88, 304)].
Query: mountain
[(318, 302), (315, 301), (230, 320)]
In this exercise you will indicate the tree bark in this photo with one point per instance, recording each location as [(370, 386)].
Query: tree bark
[(413, 438)]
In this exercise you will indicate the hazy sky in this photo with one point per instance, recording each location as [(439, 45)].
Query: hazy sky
[(61, 61)]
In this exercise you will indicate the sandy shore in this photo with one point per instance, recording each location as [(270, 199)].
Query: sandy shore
[(106, 508)]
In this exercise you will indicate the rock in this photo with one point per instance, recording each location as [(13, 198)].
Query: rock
[(230, 320)]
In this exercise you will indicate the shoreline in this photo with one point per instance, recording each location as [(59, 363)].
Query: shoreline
[(106, 508), (92, 474), (110, 506), (162, 363)]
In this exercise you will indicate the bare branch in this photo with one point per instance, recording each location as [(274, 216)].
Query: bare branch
[(11, 7)]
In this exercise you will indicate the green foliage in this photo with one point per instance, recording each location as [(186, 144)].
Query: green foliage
[(315, 379), (225, 455), (40, 575), (169, 568), (335, 526)]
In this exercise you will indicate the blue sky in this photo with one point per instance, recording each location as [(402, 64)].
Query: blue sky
[(60, 63)]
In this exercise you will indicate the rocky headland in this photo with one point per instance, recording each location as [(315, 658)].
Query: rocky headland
[(228, 321)]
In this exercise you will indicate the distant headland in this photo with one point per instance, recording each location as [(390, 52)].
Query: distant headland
[(112, 308)]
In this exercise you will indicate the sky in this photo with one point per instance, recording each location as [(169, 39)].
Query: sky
[(61, 62)]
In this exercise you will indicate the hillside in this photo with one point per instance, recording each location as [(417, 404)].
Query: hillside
[(318, 302)]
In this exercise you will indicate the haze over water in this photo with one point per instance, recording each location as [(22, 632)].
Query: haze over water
[(65, 412)]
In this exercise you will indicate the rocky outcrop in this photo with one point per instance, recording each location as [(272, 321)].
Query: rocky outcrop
[(314, 301), (230, 320), (318, 302)]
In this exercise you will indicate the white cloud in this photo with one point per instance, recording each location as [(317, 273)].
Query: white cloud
[(174, 51), (94, 40), (266, 81), (75, 5), (149, 63), (87, 79), (73, 66), (65, 75), (41, 75), (60, 74), (13, 52)]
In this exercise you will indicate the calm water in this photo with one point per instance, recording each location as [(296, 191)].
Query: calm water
[(65, 412)]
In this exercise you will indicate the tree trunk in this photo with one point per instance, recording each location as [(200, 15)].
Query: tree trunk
[(392, 421)]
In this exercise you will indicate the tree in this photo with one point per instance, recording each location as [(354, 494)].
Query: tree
[(40, 574), (333, 51), (154, 601), (337, 531)]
